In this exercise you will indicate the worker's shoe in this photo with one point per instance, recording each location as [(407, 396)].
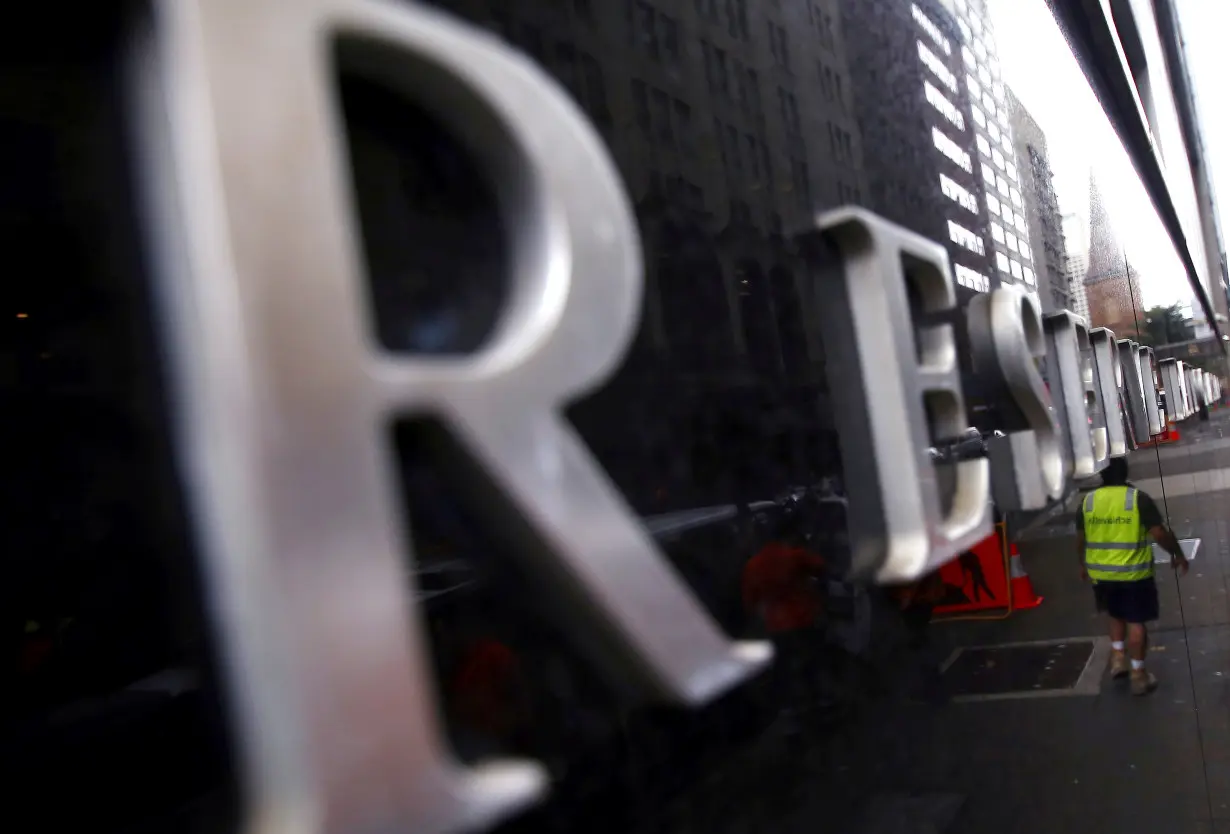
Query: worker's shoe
[(1143, 682), (1119, 664)]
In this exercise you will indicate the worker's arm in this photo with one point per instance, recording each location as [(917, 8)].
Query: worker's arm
[(1151, 518), (1166, 538)]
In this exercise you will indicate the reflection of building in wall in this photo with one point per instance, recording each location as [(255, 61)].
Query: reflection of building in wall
[(936, 134), (731, 122), (1112, 285), (1076, 262), (1041, 209)]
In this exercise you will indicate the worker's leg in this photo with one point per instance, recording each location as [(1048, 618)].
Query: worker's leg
[(1137, 642), (1139, 606)]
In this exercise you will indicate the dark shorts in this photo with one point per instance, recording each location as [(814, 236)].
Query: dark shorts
[(1132, 602)]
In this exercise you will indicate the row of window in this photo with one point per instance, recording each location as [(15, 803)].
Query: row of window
[(942, 104), (779, 46), (752, 154), (1013, 267), (951, 150), (718, 72), (736, 17), (656, 34), (1002, 209), (941, 71), (662, 116), (822, 22), (789, 106), (1015, 244), (995, 180), (963, 236), (841, 144), (955, 192), (971, 278), (831, 84), (928, 26)]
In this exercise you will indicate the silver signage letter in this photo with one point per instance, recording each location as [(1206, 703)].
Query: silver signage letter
[(1171, 371), (1110, 381), (285, 400), (1133, 390), (1148, 381), (896, 389), (1027, 464), (1078, 404)]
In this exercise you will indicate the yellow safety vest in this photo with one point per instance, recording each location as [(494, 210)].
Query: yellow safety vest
[(1117, 545)]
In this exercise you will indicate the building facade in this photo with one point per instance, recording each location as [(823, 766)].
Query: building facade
[(1041, 209)]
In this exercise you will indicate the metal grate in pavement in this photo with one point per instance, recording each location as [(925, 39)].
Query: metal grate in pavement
[(1026, 670)]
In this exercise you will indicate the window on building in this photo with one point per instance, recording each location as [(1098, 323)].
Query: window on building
[(984, 147), (988, 102), (980, 118), (779, 46), (933, 31), (955, 192), (966, 33), (1001, 184), (997, 158), (993, 131), (732, 143), (997, 232), (790, 112), (1012, 172), (1001, 261), (1011, 241), (988, 174), (753, 157), (660, 106), (980, 49), (967, 55), (1015, 266), (1016, 197), (937, 67), (963, 236), (993, 204), (707, 10), (951, 149), (1029, 276), (941, 103), (973, 279), (800, 181), (640, 102), (984, 75), (736, 20)]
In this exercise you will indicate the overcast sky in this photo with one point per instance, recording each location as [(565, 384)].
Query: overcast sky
[(1038, 65)]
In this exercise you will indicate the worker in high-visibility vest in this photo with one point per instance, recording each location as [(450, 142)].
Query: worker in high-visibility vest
[(1117, 520)]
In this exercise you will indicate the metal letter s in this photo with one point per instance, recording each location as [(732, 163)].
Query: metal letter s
[(1027, 465)]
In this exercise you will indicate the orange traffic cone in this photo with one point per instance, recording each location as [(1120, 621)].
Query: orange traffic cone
[(1023, 595)]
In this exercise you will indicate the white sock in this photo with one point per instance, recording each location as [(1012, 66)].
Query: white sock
[(1137, 665), (1117, 645)]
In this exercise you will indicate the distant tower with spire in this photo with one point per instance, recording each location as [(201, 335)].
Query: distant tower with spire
[(1112, 285)]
